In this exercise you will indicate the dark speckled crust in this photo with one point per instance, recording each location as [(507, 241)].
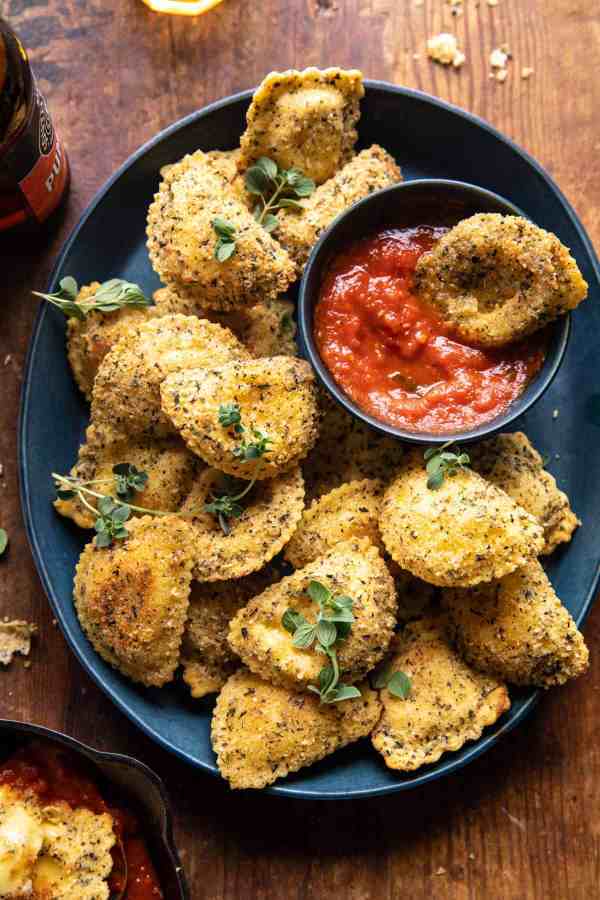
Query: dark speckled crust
[(517, 629), (261, 732), (498, 278)]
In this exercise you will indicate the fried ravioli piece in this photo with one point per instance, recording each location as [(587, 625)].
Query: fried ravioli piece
[(449, 703), (350, 511), (132, 598), (465, 532), (517, 629), (168, 463), (416, 597), (369, 171), (206, 656), (182, 240), (304, 120), (126, 391), (496, 279), (352, 569), (270, 513), (267, 329), (276, 397), (261, 732), (513, 464)]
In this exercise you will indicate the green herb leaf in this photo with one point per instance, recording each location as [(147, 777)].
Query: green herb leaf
[(128, 480), (400, 685), (270, 222), (222, 227), (230, 414), (318, 592), (3, 540), (304, 636), (289, 203), (292, 620), (256, 181), (224, 249), (65, 495), (304, 186), (380, 677), (341, 692), (277, 189), (110, 296), (440, 461), (225, 245), (326, 633), (269, 167)]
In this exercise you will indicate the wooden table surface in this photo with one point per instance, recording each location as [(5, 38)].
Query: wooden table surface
[(524, 820)]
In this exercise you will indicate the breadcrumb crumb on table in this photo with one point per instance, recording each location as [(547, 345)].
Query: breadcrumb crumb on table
[(443, 48), (15, 637)]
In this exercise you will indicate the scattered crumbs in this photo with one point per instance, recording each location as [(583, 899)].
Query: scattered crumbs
[(15, 637), (416, 56), (557, 456), (7, 359), (459, 59), (492, 2), (498, 58), (27, 664), (471, 856), (526, 72), (419, 2), (1, 471), (440, 871), (501, 75), (456, 7), (513, 819), (443, 48), (555, 414), (55, 622)]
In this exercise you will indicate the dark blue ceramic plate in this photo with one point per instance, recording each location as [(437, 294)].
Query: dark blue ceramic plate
[(430, 139)]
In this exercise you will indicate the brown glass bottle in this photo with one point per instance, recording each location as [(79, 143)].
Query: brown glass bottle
[(34, 171)]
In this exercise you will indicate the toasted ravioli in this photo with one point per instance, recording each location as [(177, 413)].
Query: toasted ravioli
[(353, 569), (369, 171), (206, 656), (449, 703), (182, 240), (513, 464), (276, 397), (304, 120), (261, 732), (132, 598), (350, 511), (267, 329), (126, 391), (497, 278), (517, 629), (168, 463), (466, 532), (270, 513), (347, 450)]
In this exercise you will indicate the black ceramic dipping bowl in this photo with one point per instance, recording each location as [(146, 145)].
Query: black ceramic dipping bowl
[(139, 786), (420, 202)]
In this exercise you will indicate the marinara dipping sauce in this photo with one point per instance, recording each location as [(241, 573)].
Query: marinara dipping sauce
[(395, 357), (57, 776)]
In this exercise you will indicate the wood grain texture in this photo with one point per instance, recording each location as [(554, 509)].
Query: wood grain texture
[(524, 821)]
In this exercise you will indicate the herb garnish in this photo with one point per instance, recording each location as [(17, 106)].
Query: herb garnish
[(110, 296), (333, 624), (110, 524), (397, 683), (225, 231), (441, 462), (128, 480), (3, 540), (276, 189)]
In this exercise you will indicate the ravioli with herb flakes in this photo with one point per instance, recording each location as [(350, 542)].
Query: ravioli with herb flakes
[(126, 393), (182, 240), (261, 732), (517, 629), (132, 598), (267, 329), (276, 400), (304, 120), (448, 704), (465, 532), (352, 569), (511, 462)]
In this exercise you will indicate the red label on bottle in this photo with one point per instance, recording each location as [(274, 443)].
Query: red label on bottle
[(43, 186)]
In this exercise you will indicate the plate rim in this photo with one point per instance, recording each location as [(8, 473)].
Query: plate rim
[(442, 769)]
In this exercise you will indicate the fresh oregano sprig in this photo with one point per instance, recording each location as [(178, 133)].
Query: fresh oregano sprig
[(398, 683), (225, 245), (333, 624), (440, 461), (110, 524), (276, 189), (110, 296), (128, 480)]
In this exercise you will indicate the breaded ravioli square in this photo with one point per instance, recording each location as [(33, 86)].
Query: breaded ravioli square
[(496, 279), (126, 391), (512, 463), (517, 629), (266, 329), (132, 597), (269, 515), (276, 398), (304, 120), (465, 532), (351, 569), (261, 732), (448, 704), (182, 240)]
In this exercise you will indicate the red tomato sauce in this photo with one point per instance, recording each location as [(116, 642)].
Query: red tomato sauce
[(57, 776), (393, 354)]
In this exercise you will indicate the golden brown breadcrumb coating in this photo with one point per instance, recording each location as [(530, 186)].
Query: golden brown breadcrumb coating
[(511, 462), (304, 120), (132, 598), (271, 512), (517, 629), (369, 171), (498, 278), (353, 569), (276, 397), (126, 391), (261, 732), (206, 656), (350, 511), (465, 532), (182, 240), (449, 703), (267, 329)]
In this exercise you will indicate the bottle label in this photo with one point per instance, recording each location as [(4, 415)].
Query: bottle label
[(38, 164)]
